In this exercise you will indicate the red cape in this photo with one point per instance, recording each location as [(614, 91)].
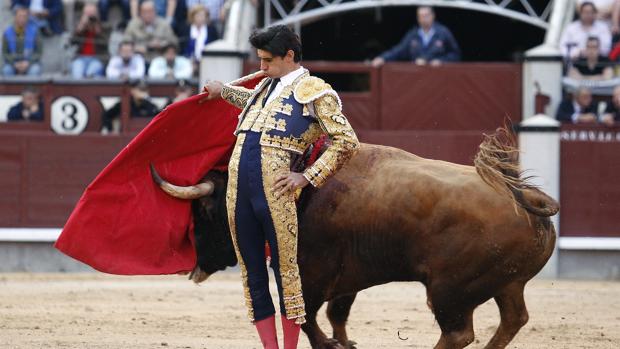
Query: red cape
[(124, 223)]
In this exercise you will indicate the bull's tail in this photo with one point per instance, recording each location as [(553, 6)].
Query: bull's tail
[(497, 163)]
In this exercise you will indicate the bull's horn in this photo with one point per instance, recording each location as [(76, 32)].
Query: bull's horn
[(189, 193)]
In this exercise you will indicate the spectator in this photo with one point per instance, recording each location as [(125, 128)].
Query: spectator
[(92, 42), (46, 14), (140, 104), (615, 20), (183, 90), (579, 109), (29, 109), (201, 32), (163, 8), (612, 111), (21, 46), (575, 35), (429, 42), (604, 8), (215, 9), (591, 66), (127, 65), (104, 9), (170, 65), (149, 32)]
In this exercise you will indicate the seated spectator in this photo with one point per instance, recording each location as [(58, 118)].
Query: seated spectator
[(29, 109), (579, 109), (21, 46), (427, 43), (170, 65), (612, 111), (183, 90), (604, 8), (104, 9), (163, 8), (201, 32), (92, 41), (591, 66), (46, 14), (127, 65), (575, 35), (140, 104), (149, 33), (215, 9)]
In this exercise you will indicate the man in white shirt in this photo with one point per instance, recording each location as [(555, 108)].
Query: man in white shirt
[(127, 64), (574, 37), (170, 65)]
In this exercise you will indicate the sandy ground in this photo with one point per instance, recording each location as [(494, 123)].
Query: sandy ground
[(101, 311)]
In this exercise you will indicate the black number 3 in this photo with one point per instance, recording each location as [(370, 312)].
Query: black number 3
[(70, 122)]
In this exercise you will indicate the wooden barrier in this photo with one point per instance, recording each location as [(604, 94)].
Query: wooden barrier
[(42, 175)]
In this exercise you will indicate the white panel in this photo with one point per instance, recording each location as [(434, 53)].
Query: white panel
[(6, 102)]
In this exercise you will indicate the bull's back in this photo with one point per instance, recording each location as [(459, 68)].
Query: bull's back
[(388, 201)]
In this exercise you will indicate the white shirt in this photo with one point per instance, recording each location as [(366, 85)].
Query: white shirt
[(36, 6), (182, 68), (286, 80), (117, 68), (200, 35), (576, 36)]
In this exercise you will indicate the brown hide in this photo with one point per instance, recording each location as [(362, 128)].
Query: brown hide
[(389, 215)]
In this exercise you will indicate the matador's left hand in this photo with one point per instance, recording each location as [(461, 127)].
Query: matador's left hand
[(289, 182)]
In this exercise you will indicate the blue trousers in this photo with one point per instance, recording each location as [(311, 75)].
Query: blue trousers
[(254, 226)]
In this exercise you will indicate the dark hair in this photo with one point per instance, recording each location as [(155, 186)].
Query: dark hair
[(30, 89), (594, 38), (19, 7), (277, 40), (125, 42), (587, 3), (139, 84)]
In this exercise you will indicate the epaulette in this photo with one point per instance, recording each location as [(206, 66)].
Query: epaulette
[(310, 88)]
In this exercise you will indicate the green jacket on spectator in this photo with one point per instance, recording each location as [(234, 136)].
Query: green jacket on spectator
[(147, 41)]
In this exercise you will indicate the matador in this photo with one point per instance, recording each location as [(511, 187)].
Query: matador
[(281, 117)]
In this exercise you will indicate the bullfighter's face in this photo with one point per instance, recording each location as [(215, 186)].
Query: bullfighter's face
[(274, 66)]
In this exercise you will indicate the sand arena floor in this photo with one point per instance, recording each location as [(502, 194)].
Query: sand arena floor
[(100, 311)]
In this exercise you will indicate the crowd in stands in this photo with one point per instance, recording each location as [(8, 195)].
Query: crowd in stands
[(168, 35), (164, 39), (591, 49)]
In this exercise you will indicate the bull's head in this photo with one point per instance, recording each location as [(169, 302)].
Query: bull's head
[(214, 248)]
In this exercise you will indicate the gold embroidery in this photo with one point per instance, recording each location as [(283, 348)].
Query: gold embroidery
[(290, 143), (344, 141), (231, 203), (284, 215), (286, 109), (236, 95), (311, 88)]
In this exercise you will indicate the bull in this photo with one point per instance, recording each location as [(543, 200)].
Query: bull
[(468, 233)]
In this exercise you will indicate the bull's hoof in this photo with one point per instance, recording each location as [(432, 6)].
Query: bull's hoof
[(350, 344), (331, 344), (198, 275)]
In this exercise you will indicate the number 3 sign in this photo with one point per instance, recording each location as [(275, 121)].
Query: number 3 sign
[(69, 116)]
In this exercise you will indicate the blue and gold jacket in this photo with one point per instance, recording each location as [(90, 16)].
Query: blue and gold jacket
[(296, 118)]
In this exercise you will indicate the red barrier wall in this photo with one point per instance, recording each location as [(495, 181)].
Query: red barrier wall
[(437, 113), (43, 175), (457, 97), (589, 184)]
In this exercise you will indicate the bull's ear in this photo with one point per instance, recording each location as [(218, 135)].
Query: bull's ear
[(186, 193)]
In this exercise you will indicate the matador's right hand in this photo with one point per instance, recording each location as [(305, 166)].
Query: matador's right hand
[(214, 90)]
